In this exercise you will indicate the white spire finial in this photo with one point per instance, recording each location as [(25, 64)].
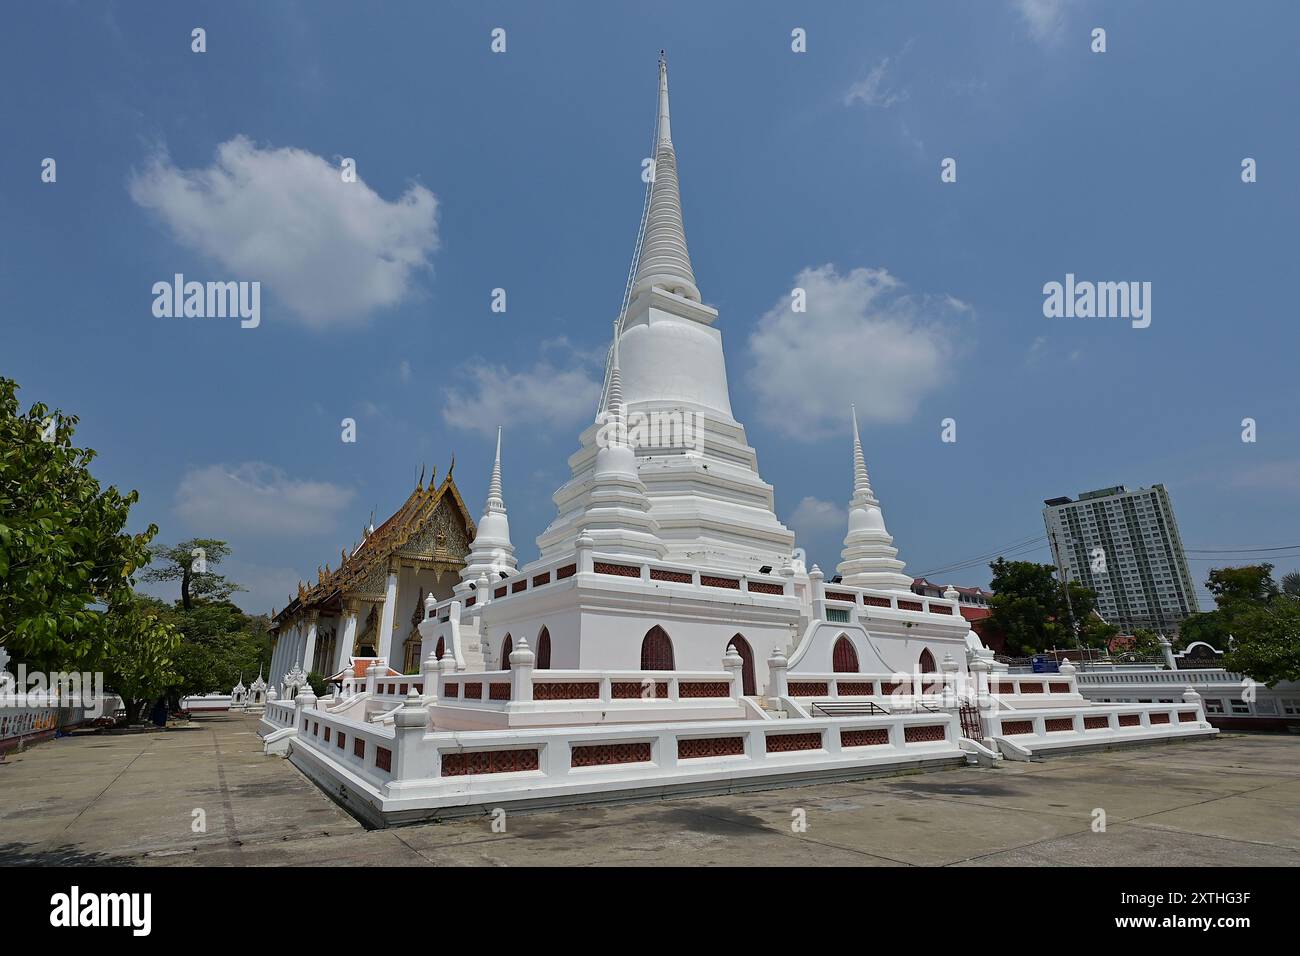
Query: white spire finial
[(495, 501), (861, 482), (665, 129)]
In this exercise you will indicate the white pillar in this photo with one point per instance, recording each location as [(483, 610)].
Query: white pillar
[(777, 670), (522, 660), (347, 637), (734, 665), (386, 619), (309, 642)]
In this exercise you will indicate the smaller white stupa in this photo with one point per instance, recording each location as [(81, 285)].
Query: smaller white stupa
[(870, 559), (618, 518), (491, 555)]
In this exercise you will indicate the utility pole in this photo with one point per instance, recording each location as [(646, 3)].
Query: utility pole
[(1065, 589)]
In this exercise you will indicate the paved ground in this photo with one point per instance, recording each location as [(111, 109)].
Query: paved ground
[(131, 799)]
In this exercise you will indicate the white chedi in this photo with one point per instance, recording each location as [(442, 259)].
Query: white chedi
[(869, 558), (491, 554)]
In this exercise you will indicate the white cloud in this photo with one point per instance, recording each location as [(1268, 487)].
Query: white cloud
[(860, 341), (812, 516), (329, 250), (545, 396), (875, 89), (257, 499), (404, 371), (1043, 17)]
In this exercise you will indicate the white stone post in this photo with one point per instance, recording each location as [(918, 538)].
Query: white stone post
[(522, 660), (1068, 671), (817, 581), (585, 542), (388, 616), (1193, 698), (349, 681), (1167, 650), (733, 664), (431, 672), (979, 668), (409, 725), (778, 670), (949, 668), (372, 677)]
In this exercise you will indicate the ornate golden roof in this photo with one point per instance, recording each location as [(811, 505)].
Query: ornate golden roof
[(432, 528)]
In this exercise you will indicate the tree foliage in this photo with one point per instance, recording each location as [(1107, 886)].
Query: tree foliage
[(1030, 612), (64, 556), (139, 655), (180, 562), (1257, 622)]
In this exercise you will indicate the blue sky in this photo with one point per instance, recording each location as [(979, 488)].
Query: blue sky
[(521, 170)]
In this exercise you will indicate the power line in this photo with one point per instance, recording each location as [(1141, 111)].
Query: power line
[(1284, 547), (1003, 549)]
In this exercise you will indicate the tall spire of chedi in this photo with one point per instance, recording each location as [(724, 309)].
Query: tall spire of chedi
[(664, 259), (692, 461), (870, 559)]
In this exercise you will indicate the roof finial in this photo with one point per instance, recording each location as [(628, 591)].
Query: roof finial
[(861, 482), (665, 129), (615, 403), (495, 502)]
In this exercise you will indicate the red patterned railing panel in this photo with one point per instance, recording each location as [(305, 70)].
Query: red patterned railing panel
[(568, 571), (1095, 723), (499, 592), (488, 761), (520, 585), (621, 570), (1056, 725), (1159, 718), (384, 759), (498, 691), (327, 735), (809, 688), (1004, 688), (766, 587), (1185, 716), (842, 596), (855, 688), (341, 739), (450, 690), (471, 600), (872, 601), (474, 691), (888, 687), (924, 734), (566, 690), (1130, 720), (712, 581), (711, 688), (1028, 688), (358, 747), (540, 579), (710, 747), (676, 577), (940, 609), (785, 743), (1011, 727), (602, 755), (910, 605), (631, 689), (869, 737)]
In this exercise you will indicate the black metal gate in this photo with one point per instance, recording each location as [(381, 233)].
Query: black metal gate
[(972, 725)]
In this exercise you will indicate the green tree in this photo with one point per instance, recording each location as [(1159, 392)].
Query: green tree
[(64, 556), (1266, 642), (139, 655), (1027, 607), (1252, 584), (182, 562)]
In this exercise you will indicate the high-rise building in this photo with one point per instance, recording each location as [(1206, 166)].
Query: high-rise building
[(1124, 545)]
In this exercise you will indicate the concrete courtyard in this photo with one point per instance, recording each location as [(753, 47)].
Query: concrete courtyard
[(132, 800)]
